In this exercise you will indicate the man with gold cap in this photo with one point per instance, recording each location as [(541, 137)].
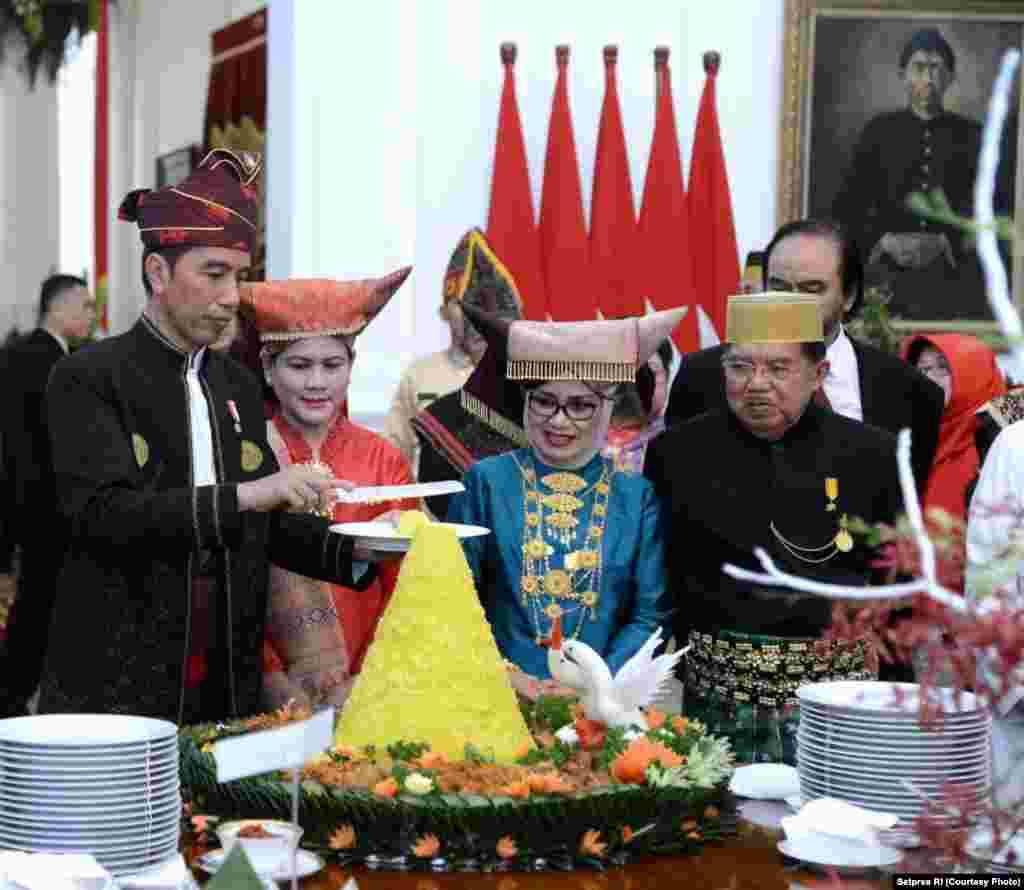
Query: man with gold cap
[(778, 471), (572, 536), (173, 497), (475, 276), (450, 438)]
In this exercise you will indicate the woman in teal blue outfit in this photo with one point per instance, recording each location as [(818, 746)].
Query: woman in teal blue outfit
[(571, 536)]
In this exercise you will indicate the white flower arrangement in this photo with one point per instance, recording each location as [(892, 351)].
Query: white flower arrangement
[(417, 783)]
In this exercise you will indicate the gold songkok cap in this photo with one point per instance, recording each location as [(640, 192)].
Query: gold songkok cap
[(773, 317)]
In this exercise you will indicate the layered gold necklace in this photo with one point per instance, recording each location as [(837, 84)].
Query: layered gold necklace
[(841, 542), (556, 565)]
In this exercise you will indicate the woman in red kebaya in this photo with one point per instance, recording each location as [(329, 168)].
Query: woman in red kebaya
[(318, 633)]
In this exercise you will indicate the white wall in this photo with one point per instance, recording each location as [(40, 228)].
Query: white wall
[(381, 125), (384, 153), (29, 231), (76, 117), (160, 54)]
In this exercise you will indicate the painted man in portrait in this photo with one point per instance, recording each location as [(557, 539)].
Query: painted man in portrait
[(923, 147)]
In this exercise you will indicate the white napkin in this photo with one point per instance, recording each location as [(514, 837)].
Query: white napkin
[(827, 815), (53, 871), (169, 875)]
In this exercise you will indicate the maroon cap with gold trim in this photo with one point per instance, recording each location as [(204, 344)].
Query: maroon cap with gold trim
[(214, 207)]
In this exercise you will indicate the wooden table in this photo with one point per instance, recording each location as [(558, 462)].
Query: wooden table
[(747, 862)]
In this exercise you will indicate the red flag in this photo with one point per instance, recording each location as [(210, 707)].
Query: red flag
[(510, 223), (612, 220), (664, 238), (563, 231), (717, 271)]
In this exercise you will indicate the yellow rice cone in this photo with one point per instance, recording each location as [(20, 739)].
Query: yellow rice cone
[(433, 673)]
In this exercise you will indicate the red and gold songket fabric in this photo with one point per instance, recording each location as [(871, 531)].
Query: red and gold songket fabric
[(318, 633)]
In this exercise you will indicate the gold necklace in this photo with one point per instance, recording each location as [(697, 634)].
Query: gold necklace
[(841, 542), (578, 579)]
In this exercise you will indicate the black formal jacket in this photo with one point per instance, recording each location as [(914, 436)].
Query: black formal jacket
[(122, 452), (893, 395), (26, 441), (722, 489)]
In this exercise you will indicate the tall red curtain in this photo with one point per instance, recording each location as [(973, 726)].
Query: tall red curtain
[(717, 274), (613, 231), (666, 263), (511, 228), (563, 231)]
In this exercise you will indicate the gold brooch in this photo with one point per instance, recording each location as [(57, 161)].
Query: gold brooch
[(252, 456), (563, 521), (536, 549), (843, 539), (563, 503), (557, 583), (567, 483)]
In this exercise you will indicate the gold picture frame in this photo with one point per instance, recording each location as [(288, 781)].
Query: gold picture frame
[(802, 191)]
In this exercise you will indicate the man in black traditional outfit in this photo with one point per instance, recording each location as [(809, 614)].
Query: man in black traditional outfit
[(778, 471), (817, 256), (173, 497), (66, 313)]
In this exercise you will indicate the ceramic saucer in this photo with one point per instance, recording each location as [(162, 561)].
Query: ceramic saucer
[(877, 857), (306, 864)]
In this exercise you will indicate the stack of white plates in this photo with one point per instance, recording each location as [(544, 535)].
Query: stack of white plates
[(861, 741), (83, 783)]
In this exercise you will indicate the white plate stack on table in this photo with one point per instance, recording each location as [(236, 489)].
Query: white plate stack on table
[(89, 783), (863, 742)]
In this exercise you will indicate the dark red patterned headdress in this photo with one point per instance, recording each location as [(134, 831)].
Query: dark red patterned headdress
[(214, 207)]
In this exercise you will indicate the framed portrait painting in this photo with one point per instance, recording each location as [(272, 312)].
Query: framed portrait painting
[(882, 100), (175, 166)]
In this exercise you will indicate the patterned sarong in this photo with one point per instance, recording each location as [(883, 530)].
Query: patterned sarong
[(743, 686)]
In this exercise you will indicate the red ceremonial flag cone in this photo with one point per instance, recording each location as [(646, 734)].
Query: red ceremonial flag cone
[(663, 230), (563, 232), (511, 227), (717, 262), (612, 220)]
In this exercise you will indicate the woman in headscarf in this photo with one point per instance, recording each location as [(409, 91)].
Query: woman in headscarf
[(317, 633), (636, 422), (572, 537), (969, 375)]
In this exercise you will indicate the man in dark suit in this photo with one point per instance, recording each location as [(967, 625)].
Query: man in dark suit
[(816, 256), (769, 469), (66, 312)]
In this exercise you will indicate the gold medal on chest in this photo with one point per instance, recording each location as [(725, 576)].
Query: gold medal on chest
[(141, 448), (843, 539), (252, 456)]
